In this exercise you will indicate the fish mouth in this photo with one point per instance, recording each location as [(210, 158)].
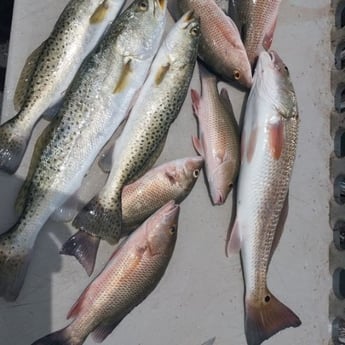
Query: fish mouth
[(218, 199)]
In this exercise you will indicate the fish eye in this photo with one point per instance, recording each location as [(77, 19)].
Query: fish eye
[(194, 31), (172, 230), (143, 5), (237, 74), (286, 69), (196, 173)]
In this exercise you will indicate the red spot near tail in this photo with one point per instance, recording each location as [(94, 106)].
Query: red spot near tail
[(276, 139), (251, 144)]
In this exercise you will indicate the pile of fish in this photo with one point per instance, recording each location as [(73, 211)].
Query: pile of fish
[(87, 84)]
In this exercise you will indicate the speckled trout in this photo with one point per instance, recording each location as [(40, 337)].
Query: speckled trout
[(96, 103), (49, 70), (269, 141), (170, 181), (157, 106), (130, 276)]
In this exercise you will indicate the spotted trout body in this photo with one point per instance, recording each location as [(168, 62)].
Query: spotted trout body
[(50, 69), (97, 102)]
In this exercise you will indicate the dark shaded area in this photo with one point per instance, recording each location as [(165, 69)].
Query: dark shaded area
[(6, 10)]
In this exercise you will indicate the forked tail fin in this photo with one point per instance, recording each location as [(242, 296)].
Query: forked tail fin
[(265, 318), (13, 143), (14, 261), (83, 246), (62, 337), (101, 219)]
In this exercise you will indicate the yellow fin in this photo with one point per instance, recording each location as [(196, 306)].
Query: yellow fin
[(100, 13), (39, 147), (161, 73), (25, 76), (126, 71)]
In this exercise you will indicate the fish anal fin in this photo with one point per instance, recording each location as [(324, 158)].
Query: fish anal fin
[(198, 146), (100, 13), (276, 138), (234, 243), (104, 329), (265, 318), (25, 77), (124, 77), (163, 70)]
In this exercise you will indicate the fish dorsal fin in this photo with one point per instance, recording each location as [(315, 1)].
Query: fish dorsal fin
[(104, 329), (100, 13), (39, 147), (163, 70), (124, 77), (25, 76), (234, 244)]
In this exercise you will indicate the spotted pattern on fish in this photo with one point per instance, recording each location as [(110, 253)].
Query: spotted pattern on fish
[(156, 108)]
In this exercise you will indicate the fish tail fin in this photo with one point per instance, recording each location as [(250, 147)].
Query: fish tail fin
[(13, 143), (265, 318), (61, 337), (83, 246), (101, 219), (14, 262)]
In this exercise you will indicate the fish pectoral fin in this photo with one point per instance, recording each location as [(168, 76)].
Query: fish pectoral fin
[(105, 162), (163, 70), (195, 102), (276, 138), (171, 175), (104, 329), (198, 146), (265, 318), (124, 77), (25, 76), (235, 240), (100, 13)]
